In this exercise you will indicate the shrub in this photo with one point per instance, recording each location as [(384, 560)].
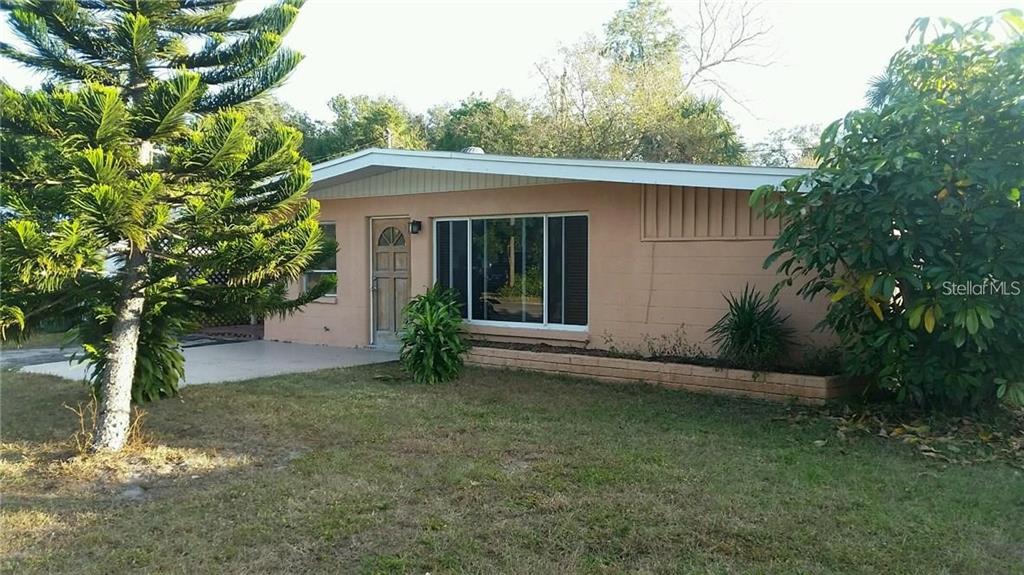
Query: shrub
[(432, 345), (159, 363), (753, 333), (820, 361), (912, 224)]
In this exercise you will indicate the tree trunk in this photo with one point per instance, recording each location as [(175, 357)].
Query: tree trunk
[(114, 415)]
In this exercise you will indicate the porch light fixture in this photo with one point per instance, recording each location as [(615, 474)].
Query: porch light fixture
[(415, 226)]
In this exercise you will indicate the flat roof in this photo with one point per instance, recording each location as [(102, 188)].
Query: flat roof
[(375, 161)]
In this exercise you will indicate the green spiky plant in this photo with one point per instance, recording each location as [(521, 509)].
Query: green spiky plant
[(138, 195), (752, 334)]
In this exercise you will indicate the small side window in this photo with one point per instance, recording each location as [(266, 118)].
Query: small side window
[(327, 267)]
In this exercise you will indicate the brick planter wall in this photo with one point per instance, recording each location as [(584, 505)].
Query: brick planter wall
[(807, 389)]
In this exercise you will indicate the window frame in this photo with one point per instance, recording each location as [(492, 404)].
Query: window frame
[(305, 274), (544, 325)]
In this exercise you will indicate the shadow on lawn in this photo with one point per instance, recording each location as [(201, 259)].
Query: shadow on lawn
[(359, 469)]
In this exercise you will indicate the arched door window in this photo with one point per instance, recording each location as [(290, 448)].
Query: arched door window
[(391, 236)]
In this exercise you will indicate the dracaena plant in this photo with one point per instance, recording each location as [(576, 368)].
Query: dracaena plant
[(432, 344), (138, 192), (753, 333), (912, 225)]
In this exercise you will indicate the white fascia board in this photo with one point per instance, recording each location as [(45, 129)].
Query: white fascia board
[(733, 177)]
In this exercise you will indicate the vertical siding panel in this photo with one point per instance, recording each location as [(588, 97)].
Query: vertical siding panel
[(700, 230), (715, 212), (756, 223), (764, 222), (650, 212), (676, 217), (742, 214), (772, 227), (689, 212), (729, 213), (362, 186), (663, 212)]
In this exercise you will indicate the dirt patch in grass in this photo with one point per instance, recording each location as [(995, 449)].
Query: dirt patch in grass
[(360, 471)]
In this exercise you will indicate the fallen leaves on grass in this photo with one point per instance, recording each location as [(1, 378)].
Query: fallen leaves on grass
[(958, 440)]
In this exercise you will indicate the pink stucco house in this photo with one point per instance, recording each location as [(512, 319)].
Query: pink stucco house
[(567, 252)]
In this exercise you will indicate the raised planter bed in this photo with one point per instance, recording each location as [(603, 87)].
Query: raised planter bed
[(806, 389)]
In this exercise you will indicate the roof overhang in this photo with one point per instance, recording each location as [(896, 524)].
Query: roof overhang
[(377, 161)]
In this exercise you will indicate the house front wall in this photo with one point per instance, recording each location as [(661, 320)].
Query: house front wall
[(660, 260)]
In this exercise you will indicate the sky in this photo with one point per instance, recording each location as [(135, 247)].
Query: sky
[(820, 54)]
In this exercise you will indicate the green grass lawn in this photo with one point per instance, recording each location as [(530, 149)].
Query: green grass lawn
[(38, 340), (360, 471)]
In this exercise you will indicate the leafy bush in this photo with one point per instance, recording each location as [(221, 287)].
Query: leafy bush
[(159, 362), (821, 360), (753, 333), (912, 224), (432, 345)]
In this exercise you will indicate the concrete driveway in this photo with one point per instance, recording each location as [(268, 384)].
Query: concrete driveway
[(246, 360)]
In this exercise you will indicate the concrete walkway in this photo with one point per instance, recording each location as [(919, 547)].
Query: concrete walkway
[(246, 360)]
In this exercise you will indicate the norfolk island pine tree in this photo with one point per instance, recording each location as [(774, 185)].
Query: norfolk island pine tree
[(137, 195)]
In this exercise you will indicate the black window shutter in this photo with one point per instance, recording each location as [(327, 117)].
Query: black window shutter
[(442, 257), (479, 280), (460, 263), (576, 254), (554, 280)]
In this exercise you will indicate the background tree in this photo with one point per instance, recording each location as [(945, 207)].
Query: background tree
[(641, 33), (722, 34), (913, 222), (140, 192), (362, 122), (625, 96), (787, 147), (697, 131), (501, 125)]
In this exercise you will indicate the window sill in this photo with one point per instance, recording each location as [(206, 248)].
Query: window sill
[(524, 332), (327, 299)]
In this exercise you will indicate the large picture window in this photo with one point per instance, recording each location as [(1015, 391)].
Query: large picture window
[(516, 270)]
